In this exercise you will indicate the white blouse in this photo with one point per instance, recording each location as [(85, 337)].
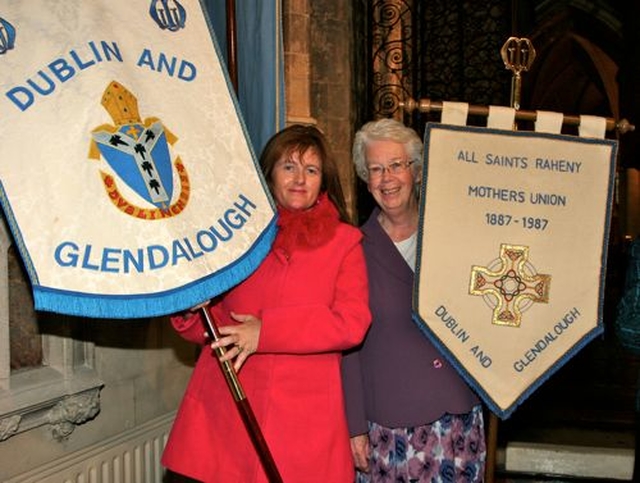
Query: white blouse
[(407, 249)]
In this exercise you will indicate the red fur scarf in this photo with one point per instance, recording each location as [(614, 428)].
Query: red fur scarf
[(308, 229)]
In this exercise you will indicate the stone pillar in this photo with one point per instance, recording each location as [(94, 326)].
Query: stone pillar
[(297, 55), (318, 75), (332, 90)]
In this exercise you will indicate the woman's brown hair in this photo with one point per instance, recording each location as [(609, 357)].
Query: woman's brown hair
[(299, 139)]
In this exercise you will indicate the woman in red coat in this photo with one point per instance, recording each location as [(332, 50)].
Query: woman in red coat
[(284, 328)]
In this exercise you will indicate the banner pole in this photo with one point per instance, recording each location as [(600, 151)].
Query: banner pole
[(232, 43), (242, 403), (518, 55)]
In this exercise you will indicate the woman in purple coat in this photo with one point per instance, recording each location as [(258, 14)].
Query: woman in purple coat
[(411, 416)]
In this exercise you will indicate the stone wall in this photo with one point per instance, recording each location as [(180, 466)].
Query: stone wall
[(319, 76)]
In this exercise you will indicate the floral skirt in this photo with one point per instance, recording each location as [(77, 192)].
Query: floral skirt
[(451, 449)]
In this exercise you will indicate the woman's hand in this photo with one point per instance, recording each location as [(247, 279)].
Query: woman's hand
[(361, 452), (241, 340)]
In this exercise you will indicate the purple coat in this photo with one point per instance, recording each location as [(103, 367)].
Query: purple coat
[(397, 377)]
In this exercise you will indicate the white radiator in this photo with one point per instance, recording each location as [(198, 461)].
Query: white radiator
[(130, 457)]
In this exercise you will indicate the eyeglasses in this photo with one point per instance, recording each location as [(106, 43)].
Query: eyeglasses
[(393, 168)]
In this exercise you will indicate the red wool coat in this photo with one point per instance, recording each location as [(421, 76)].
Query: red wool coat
[(313, 304)]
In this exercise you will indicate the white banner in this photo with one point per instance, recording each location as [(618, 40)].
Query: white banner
[(127, 178), (513, 237)]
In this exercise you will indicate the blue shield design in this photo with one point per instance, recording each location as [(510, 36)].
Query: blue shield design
[(140, 157)]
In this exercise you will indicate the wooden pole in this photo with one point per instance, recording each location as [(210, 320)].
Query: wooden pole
[(242, 403), (492, 448), (232, 52)]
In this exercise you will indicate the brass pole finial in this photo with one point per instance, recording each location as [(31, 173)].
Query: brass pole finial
[(518, 55)]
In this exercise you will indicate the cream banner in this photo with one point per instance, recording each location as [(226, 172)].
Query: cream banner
[(127, 178), (513, 237)]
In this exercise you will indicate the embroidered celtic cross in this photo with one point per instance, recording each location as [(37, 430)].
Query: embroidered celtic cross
[(510, 287)]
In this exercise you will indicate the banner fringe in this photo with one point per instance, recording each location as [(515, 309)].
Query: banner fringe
[(158, 304)]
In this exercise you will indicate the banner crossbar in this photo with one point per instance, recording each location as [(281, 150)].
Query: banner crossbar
[(426, 106)]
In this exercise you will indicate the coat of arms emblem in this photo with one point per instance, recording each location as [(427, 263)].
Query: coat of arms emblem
[(138, 153)]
